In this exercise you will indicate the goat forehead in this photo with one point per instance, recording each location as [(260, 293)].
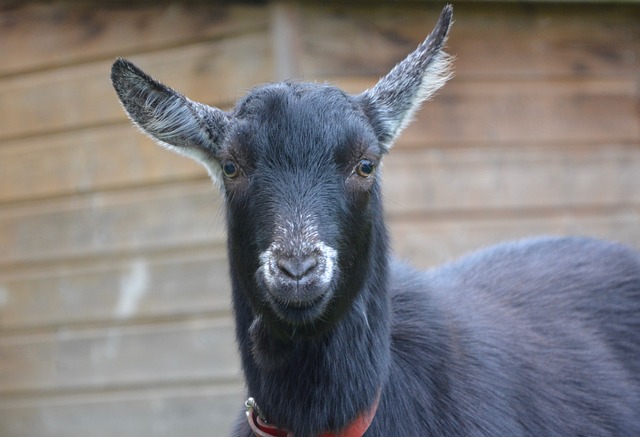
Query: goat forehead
[(288, 117), (276, 97)]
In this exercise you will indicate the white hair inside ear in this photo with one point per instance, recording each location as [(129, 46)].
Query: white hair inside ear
[(170, 119), (398, 95)]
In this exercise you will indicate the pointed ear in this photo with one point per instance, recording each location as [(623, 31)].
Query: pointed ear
[(393, 101), (169, 118)]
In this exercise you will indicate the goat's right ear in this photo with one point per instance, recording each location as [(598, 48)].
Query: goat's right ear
[(392, 102), (169, 118)]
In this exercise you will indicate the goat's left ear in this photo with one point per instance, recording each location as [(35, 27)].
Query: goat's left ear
[(393, 101)]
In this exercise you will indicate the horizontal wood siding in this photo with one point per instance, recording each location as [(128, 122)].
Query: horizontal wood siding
[(114, 301)]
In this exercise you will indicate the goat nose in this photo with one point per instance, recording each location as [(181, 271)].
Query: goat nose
[(297, 267)]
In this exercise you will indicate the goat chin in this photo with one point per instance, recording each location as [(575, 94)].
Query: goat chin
[(296, 313)]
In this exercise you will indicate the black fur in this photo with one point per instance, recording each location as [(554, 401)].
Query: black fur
[(319, 376), (539, 337), (533, 338)]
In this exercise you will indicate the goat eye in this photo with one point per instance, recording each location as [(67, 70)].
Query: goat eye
[(365, 168), (230, 169)]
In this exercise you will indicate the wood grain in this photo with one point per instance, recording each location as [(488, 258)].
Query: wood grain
[(526, 41), (38, 36), (521, 177), (132, 288), (467, 112), (97, 159), (153, 218), (146, 355), (206, 410), (216, 72), (431, 241)]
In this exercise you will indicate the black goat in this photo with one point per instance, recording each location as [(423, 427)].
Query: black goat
[(537, 338)]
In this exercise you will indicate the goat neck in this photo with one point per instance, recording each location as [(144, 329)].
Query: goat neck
[(332, 377)]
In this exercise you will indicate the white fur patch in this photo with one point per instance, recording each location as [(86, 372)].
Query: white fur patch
[(170, 119), (398, 95), (177, 119), (437, 73), (435, 76), (326, 256), (268, 266)]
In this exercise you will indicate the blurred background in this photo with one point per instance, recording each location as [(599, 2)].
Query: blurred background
[(114, 302)]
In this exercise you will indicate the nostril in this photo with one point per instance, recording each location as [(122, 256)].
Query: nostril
[(297, 267)]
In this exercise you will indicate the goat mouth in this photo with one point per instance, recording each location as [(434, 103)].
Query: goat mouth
[(297, 312)]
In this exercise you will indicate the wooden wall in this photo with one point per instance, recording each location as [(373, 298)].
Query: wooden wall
[(114, 306)]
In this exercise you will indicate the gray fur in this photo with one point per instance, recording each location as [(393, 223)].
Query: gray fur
[(399, 94), (169, 118)]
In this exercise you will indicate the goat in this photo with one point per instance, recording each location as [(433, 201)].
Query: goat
[(539, 337)]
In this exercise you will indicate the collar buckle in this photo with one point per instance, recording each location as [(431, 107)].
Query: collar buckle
[(259, 424), (262, 428)]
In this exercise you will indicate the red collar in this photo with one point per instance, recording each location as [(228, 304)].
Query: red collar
[(357, 428)]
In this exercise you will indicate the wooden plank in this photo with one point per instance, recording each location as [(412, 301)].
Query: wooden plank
[(215, 72), (193, 351), (40, 36), (152, 218), (202, 410), (512, 113), (550, 40), (191, 213), (87, 160), (431, 241), (487, 39), (188, 68), (138, 288), (578, 111), (517, 177), (429, 181), (538, 38)]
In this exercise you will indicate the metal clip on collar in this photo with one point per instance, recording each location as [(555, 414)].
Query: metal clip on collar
[(258, 423)]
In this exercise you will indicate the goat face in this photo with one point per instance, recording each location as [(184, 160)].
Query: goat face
[(299, 174), (297, 163)]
